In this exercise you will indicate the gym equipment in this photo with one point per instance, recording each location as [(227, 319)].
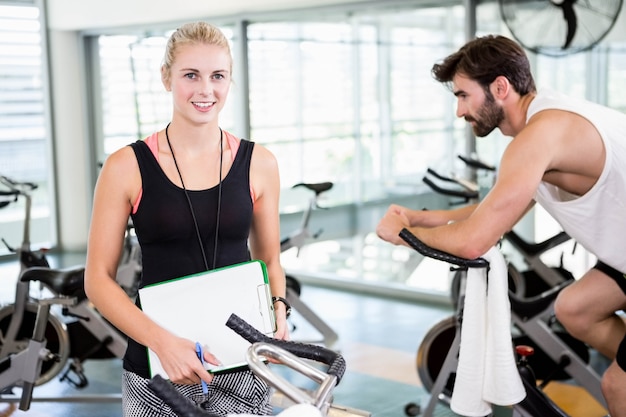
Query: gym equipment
[(534, 317)]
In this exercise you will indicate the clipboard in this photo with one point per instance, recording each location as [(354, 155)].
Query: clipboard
[(197, 307)]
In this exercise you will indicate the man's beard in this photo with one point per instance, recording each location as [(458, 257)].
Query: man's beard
[(488, 117)]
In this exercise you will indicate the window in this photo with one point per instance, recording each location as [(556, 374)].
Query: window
[(616, 78), (303, 87), (24, 134), (343, 99), (351, 99)]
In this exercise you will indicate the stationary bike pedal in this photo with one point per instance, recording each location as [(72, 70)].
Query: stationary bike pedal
[(76, 368), (50, 356)]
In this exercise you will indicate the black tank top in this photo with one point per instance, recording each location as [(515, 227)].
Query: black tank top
[(167, 235)]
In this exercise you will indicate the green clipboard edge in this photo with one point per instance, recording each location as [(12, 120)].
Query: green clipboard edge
[(260, 262)]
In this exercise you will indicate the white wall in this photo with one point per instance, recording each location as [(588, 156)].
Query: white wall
[(69, 118)]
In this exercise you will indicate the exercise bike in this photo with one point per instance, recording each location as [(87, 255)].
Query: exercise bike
[(22, 368), (74, 331), (437, 357), (303, 358), (297, 239)]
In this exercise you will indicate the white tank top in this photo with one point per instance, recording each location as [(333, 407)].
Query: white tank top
[(597, 219)]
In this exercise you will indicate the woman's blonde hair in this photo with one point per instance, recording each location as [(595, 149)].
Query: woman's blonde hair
[(189, 34)]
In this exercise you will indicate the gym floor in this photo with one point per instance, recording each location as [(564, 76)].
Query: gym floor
[(378, 337)]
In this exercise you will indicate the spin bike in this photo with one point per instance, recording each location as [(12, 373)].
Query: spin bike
[(567, 357), (74, 331), (297, 239), (22, 368), (303, 358)]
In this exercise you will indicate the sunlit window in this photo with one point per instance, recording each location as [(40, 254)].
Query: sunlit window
[(341, 96), (349, 100), (353, 101), (24, 133), (616, 79)]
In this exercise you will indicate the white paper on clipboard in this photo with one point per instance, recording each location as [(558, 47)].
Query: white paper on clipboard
[(197, 307)]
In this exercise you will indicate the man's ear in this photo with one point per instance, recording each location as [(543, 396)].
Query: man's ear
[(500, 87), (165, 79)]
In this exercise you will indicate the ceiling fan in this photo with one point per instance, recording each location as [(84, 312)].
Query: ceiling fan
[(559, 27)]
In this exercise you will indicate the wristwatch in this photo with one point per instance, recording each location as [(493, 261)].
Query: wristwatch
[(285, 302)]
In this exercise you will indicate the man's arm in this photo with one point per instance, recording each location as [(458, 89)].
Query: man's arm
[(398, 217), (522, 167)]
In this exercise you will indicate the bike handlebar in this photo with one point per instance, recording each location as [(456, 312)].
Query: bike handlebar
[(439, 255), (8, 197), (535, 249), (184, 408), (16, 189), (476, 163), (468, 192), (20, 187), (9, 193), (468, 195), (335, 362)]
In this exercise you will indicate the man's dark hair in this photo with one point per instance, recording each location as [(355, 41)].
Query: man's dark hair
[(485, 58)]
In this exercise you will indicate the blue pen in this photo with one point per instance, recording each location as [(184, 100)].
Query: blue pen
[(205, 389)]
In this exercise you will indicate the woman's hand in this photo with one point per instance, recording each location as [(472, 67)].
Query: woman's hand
[(282, 327), (181, 363)]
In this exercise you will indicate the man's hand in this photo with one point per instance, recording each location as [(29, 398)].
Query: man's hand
[(389, 227)]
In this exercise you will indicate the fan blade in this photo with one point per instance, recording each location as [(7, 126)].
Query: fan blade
[(572, 22)]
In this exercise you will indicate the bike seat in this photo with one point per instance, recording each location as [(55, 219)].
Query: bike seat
[(67, 281), (319, 187), (529, 307)]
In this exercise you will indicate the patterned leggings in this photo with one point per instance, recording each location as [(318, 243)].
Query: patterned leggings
[(235, 393)]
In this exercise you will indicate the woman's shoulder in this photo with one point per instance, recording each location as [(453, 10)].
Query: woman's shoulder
[(126, 156), (263, 155), (121, 160)]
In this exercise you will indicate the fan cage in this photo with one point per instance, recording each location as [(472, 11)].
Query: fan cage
[(540, 25)]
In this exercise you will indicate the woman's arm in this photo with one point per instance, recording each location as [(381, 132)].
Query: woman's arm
[(265, 233), (118, 186)]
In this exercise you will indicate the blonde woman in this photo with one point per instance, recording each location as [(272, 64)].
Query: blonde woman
[(200, 198)]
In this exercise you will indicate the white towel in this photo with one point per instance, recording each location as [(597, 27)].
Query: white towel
[(486, 373)]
